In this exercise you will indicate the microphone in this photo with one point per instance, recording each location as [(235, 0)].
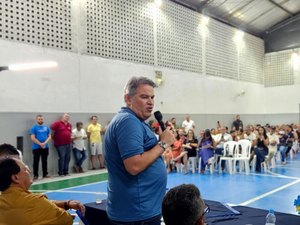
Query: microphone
[(158, 116)]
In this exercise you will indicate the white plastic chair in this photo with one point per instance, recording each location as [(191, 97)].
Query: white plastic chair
[(230, 151), (243, 156), (192, 161), (211, 165)]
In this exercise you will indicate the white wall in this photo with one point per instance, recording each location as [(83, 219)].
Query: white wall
[(83, 83)]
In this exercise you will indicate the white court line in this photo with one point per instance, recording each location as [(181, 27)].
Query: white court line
[(269, 193), (63, 191), (282, 176)]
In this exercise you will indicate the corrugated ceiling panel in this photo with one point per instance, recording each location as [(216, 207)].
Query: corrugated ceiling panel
[(291, 5), (270, 18)]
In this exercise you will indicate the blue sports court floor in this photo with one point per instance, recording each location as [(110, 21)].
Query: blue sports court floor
[(276, 189)]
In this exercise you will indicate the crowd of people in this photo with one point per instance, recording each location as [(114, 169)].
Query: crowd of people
[(66, 140), (136, 155), (266, 141)]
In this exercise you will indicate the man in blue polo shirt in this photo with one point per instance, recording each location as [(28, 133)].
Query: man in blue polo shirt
[(136, 171), (40, 136)]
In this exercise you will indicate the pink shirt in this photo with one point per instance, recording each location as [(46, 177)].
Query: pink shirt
[(62, 135)]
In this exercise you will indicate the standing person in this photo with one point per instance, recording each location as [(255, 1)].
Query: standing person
[(94, 133), (175, 125), (61, 134), (188, 124), (78, 136), (40, 135), (237, 123), (136, 171)]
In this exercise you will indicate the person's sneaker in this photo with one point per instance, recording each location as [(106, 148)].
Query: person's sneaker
[(283, 163), (47, 176), (35, 177)]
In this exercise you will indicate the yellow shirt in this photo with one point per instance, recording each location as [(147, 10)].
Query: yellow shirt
[(94, 130), (21, 207)]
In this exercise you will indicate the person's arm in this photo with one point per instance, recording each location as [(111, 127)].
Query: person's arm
[(43, 145), (88, 132), (33, 138), (138, 163), (48, 139), (266, 142), (52, 133), (84, 134), (53, 129), (70, 204)]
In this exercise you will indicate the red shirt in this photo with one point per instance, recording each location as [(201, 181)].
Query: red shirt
[(62, 135)]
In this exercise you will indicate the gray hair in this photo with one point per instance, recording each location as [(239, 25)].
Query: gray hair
[(135, 82)]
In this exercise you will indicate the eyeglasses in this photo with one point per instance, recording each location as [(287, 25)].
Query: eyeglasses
[(206, 210)]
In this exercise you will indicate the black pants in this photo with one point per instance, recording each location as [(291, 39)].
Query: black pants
[(37, 154)]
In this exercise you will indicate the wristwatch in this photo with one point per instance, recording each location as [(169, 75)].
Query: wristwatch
[(162, 144)]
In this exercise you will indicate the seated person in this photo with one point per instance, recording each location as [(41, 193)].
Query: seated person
[(206, 149), (261, 149), (18, 206), (220, 140), (183, 205)]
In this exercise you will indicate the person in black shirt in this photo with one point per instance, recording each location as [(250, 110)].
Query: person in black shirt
[(261, 149), (237, 124)]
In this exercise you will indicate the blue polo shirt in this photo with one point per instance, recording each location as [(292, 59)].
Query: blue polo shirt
[(41, 133), (139, 197)]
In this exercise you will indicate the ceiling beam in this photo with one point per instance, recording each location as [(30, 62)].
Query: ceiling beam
[(281, 7), (239, 9)]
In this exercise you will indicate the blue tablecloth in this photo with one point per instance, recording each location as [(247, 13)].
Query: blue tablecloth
[(219, 214)]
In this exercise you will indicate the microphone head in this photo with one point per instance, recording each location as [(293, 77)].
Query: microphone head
[(158, 116)]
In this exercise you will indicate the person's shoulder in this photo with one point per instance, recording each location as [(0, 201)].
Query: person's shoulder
[(55, 124), (33, 128), (126, 119)]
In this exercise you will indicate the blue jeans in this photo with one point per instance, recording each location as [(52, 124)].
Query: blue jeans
[(64, 154), (151, 221), (282, 150), (260, 157), (80, 156)]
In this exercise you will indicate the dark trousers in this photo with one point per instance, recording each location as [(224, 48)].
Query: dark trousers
[(80, 156), (64, 154), (152, 221), (220, 152), (260, 157), (37, 154)]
